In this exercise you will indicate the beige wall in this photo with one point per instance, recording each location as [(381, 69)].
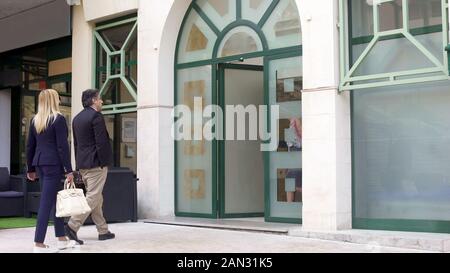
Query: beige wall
[(96, 10), (326, 122), (82, 59), (158, 26)]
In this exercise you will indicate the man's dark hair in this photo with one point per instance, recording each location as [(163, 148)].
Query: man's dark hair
[(87, 97)]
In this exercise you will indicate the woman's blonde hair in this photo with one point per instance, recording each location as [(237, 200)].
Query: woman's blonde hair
[(48, 109)]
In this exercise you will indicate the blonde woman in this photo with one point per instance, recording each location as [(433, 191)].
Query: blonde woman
[(48, 154)]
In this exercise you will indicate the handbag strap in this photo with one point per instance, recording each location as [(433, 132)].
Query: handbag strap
[(68, 185)]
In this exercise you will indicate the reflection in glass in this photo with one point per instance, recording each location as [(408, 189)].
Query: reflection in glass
[(401, 145), (122, 130), (421, 14), (240, 40), (239, 43), (424, 13), (115, 37), (131, 62), (101, 66), (391, 15), (115, 65), (116, 93), (289, 185)]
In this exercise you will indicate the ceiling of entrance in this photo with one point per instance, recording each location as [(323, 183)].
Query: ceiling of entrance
[(13, 7)]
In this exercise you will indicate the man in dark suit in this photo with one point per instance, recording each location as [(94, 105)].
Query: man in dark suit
[(93, 155)]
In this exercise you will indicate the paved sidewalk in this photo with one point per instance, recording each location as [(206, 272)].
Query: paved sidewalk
[(143, 237)]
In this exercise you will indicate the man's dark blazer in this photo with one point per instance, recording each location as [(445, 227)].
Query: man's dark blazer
[(91, 140), (50, 147)]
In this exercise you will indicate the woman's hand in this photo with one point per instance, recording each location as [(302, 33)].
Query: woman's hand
[(31, 176), (69, 177)]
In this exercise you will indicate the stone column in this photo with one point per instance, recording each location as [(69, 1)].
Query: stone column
[(326, 122), (82, 60), (158, 27)]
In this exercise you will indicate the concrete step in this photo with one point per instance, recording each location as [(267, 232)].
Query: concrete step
[(411, 240), (246, 224)]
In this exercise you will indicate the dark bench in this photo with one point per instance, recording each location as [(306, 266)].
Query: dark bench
[(13, 190)]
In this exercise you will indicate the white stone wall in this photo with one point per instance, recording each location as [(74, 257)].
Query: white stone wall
[(326, 114), (96, 10), (82, 60), (326, 122), (158, 25)]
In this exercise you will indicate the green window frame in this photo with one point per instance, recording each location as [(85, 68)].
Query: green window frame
[(439, 70), (131, 88)]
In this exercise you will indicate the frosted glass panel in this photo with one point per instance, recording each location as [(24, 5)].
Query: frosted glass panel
[(398, 54), (115, 37), (391, 15), (425, 13), (244, 167), (197, 40), (253, 10), (240, 40), (285, 164), (421, 14), (116, 93), (362, 18), (282, 29), (401, 148), (194, 160), (220, 12)]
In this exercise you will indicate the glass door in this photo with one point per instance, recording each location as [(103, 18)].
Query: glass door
[(195, 167), (241, 164), (284, 165)]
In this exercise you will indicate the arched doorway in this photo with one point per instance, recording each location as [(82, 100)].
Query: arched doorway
[(244, 52)]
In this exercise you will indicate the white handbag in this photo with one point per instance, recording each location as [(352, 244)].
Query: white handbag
[(71, 201)]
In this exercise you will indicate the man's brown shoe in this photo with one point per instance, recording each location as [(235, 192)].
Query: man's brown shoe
[(72, 234), (106, 236)]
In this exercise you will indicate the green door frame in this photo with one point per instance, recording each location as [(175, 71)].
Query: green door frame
[(221, 143), (268, 54)]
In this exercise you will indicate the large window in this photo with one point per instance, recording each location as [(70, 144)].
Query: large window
[(400, 124), (392, 42), (116, 65), (214, 34), (116, 78), (401, 154)]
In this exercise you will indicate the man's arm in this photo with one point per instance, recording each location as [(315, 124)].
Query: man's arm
[(75, 144), (101, 140), (62, 144)]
